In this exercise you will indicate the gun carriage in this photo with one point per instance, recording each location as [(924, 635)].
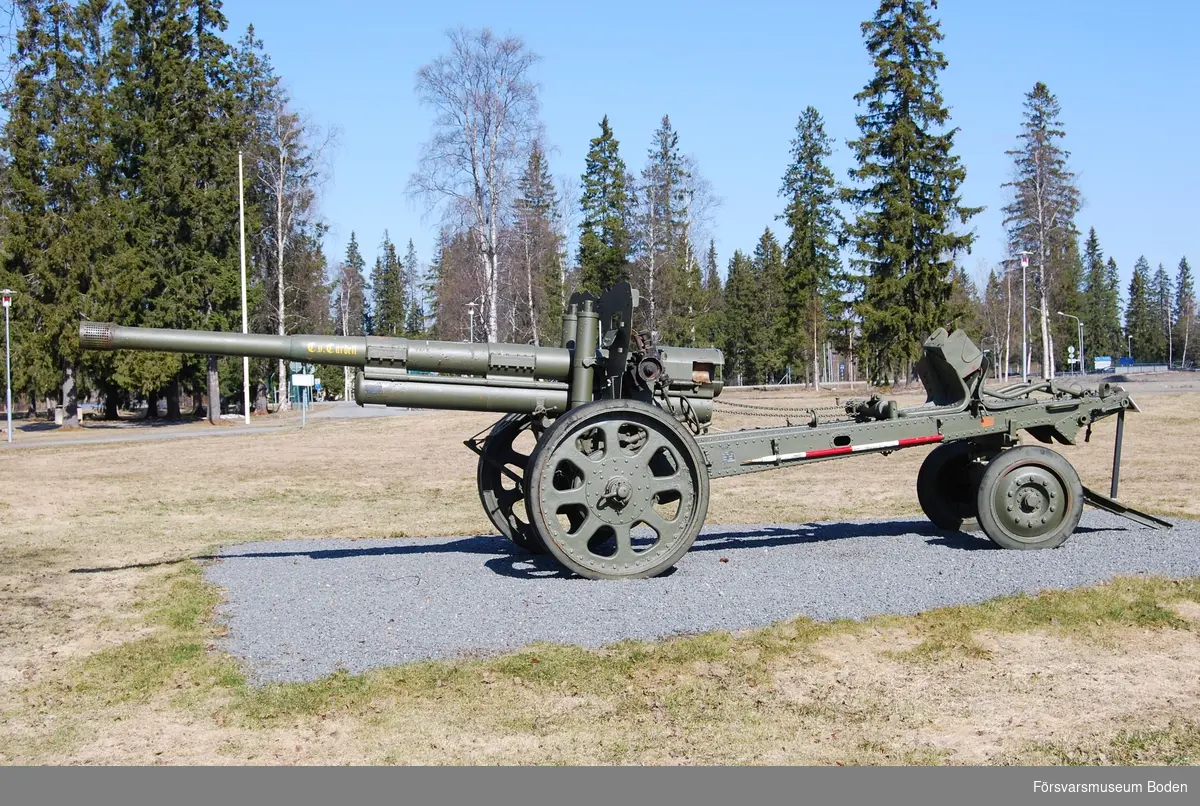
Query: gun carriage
[(616, 481)]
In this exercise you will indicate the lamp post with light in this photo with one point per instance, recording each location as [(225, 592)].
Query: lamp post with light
[(471, 308)]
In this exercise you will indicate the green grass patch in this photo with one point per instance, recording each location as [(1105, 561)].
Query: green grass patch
[(1176, 744), (1091, 614), (136, 670), (688, 682)]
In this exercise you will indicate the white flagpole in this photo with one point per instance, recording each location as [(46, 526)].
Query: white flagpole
[(245, 321)]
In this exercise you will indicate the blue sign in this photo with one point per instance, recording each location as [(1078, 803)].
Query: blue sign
[(1125, 361)]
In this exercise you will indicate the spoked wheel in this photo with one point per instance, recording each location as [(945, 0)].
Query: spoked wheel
[(501, 480), (617, 489), (947, 485), (1029, 498)]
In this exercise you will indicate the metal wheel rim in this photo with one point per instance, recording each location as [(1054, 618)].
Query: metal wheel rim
[(1030, 502), (608, 496), (499, 502)]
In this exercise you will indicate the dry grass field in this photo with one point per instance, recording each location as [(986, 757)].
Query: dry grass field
[(108, 648)]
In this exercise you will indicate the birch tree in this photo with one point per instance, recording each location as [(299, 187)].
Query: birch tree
[(291, 168), (485, 105)]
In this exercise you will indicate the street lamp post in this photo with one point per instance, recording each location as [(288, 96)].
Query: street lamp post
[(1130, 340), (471, 308), (6, 296), (1024, 318), (1079, 326)]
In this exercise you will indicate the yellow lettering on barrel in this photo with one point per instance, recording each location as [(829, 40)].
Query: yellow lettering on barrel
[(310, 347)]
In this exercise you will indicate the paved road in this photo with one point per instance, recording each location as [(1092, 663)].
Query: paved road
[(41, 435), (352, 411), (301, 609)]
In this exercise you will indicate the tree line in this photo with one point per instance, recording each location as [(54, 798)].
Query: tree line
[(866, 267), (120, 175)]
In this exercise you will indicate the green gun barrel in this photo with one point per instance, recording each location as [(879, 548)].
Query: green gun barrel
[(520, 361)]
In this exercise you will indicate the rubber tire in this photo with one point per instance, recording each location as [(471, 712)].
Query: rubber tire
[(525, 538), (572, 419), (946, 488), (996, 474)]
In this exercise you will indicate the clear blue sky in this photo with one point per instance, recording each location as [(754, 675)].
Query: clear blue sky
[(733, 76)]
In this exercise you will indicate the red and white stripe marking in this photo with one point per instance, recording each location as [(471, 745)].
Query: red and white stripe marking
[(822, 452)]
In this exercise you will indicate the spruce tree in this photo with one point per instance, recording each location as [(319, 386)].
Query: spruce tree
[(1100, 303), (710, 324), (1112, 314), (1161, 297), (106, 218), (539, 252), (661, 223), (1185, 309), (1041, 219), (906, 188), (29, 226), (741, 315), (389, 294), (604, 239), (812, 275), (180, 122), (414, 323), (768, 353), (350, 310), (355, 304), (1141, 324)]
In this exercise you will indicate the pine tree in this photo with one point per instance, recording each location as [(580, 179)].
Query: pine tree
[(604, 239), (812, 270), (1041, 217), (1141, 325), (907, 193), (1185, 309)]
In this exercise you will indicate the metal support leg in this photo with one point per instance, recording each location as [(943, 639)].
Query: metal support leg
[(1116, 473)]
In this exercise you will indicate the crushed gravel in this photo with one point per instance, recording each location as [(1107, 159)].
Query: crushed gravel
[(301, 609)]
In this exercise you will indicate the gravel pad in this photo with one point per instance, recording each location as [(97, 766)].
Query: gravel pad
[(301, 609)]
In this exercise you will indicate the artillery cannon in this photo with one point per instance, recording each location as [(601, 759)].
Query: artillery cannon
[(615, 484)]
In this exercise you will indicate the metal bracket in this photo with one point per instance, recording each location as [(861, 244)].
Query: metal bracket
[(390, 353), (1109, 505)]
